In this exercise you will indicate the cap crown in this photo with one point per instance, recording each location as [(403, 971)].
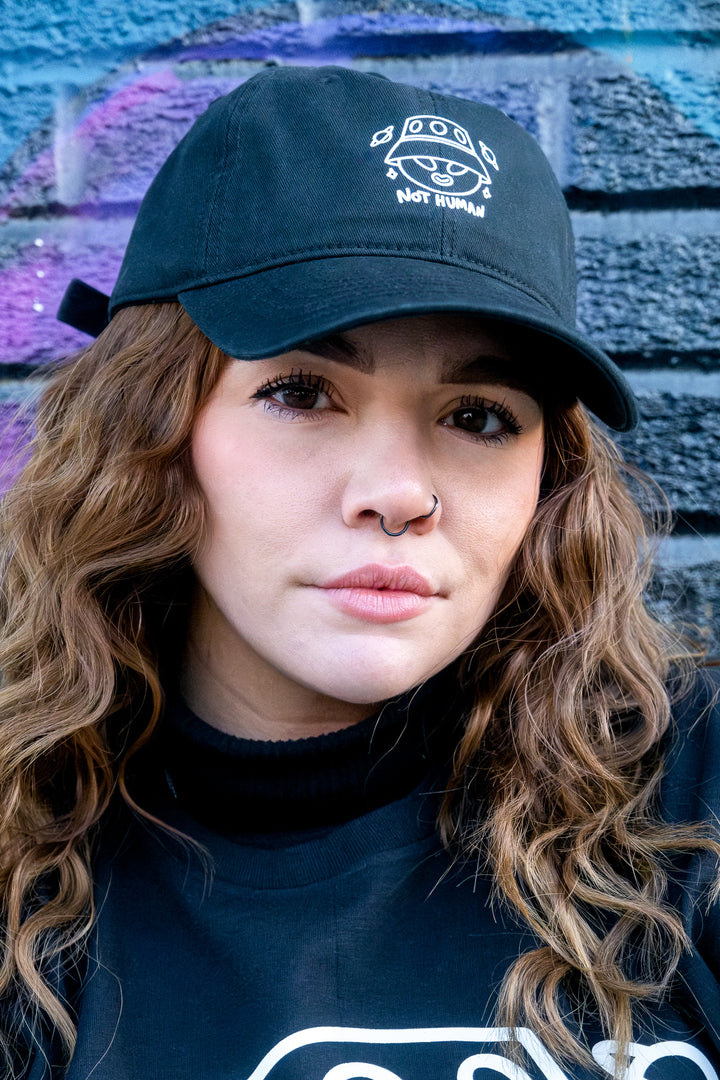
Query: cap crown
[(305, 163)]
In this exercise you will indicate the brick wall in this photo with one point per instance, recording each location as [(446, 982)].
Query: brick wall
[(622, 95)]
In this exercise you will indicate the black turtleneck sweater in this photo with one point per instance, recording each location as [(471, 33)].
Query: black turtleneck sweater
[(313, 928), (269, 792)]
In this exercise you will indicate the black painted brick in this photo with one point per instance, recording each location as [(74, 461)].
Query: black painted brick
[(678, 443), (690, 597), (627, 136), (654, 293)]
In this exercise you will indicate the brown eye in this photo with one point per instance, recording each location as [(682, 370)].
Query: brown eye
[(485, 421), (477, 421), (296, 393), (298, 397)]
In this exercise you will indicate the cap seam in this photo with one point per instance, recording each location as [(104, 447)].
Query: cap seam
[(396, 252), (444, 218), (174, 291), (246, 90)]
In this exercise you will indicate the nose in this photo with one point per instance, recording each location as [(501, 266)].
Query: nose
[(391, 485)]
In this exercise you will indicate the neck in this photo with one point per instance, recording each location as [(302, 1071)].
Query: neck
[(250, 702)]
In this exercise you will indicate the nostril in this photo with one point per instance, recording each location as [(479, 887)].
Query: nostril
[(431, 512), (393, 532)]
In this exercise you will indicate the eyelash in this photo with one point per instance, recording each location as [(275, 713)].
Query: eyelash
[(308, 381), (302, 379), (499, 409)]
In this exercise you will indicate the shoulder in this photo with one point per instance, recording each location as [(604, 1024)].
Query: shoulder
[(691, 784), (690, 792)]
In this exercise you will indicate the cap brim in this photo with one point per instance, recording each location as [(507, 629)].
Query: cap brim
[(275, 310)]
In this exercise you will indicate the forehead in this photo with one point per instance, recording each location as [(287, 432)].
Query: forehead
[(462, 349)]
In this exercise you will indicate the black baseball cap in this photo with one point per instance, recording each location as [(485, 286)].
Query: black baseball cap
[(312, 200)]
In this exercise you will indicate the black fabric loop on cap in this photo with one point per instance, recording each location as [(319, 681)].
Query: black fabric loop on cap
[(84, 307)]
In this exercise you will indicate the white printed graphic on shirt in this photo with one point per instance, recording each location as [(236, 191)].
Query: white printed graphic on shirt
[(439, 158), (642, 1056), (604, 1053)]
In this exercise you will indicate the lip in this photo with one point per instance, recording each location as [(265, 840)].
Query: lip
[(379, 577), (381, 594)]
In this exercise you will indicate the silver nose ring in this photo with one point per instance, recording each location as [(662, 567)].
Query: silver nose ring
[(406, 526)]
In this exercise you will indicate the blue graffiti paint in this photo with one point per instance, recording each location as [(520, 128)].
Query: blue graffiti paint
[(596, 16), (52, 49), (351, 36), (686, 70)]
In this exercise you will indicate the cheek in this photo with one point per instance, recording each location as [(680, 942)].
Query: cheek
[(504, 506), (260, 504), (227, 467), (233, 469)]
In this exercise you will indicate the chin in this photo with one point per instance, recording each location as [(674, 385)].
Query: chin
[(372, 686)]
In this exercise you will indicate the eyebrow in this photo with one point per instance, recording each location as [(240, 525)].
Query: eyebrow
[(490, 368), (485, 368), (338, 347)]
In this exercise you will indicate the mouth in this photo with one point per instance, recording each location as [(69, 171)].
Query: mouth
[(381, 594), (381, 578)]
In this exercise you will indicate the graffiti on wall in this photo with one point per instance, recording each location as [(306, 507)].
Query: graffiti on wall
[(69, 206)]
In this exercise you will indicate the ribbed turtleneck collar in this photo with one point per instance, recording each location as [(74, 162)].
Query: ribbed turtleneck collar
[(252, 787)]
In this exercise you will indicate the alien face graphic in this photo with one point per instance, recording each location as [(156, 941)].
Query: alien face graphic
[(438, 155), (441, 174)]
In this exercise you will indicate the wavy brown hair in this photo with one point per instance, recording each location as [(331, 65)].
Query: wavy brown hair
[(556, 779), (568, 685), (97, 532)]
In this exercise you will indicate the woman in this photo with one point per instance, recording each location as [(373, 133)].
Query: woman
[(337, 740)]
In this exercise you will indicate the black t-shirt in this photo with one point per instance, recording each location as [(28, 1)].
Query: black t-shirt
[(321, 932)]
